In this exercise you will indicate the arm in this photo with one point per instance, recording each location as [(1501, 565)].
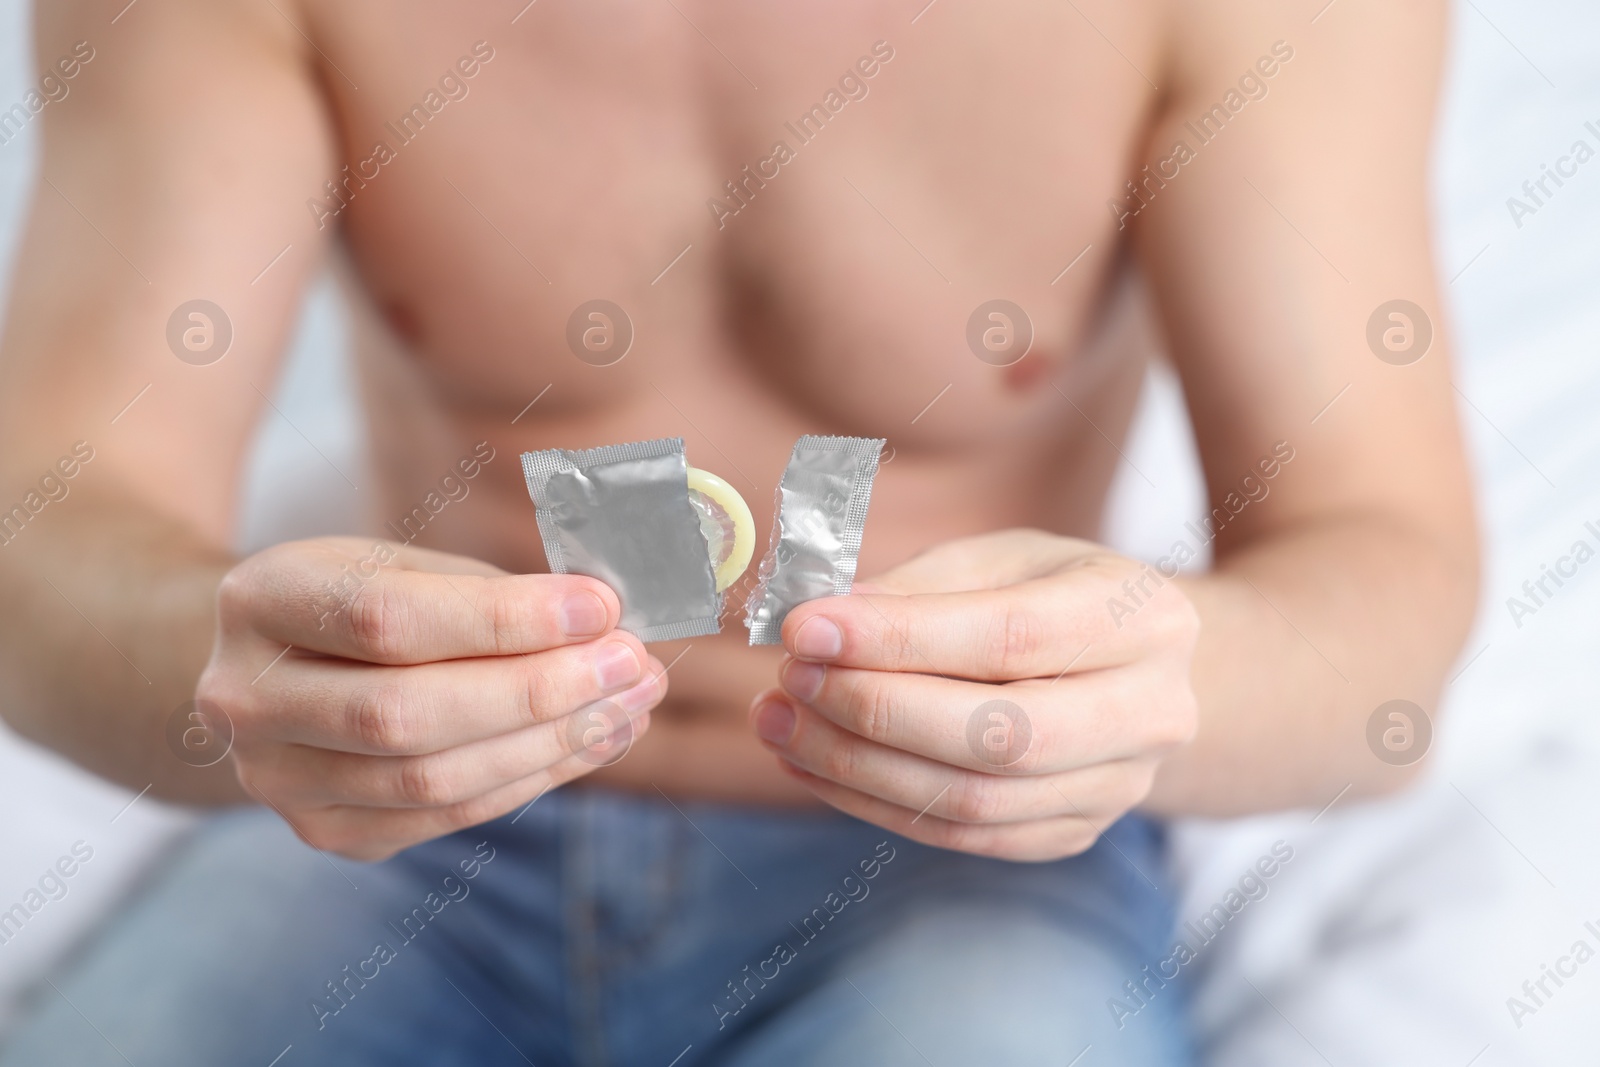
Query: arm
[(410, 693), (988, 697), (1353, 582), (175, 169)]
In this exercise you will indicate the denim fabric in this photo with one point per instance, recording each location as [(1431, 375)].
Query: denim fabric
[(598, 928)]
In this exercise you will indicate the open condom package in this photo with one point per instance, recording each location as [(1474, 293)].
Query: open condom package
[(670, 538)]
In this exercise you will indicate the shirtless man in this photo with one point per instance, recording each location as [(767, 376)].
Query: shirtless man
[(483, 170)]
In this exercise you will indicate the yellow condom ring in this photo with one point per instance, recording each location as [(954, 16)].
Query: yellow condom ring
[(730, 528)]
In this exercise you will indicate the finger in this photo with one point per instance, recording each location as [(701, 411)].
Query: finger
[(1024, 842), (814, 744), (1023, 728), (601, 733), (380, 710), (372, 834), (320, 601), (1038, 629)]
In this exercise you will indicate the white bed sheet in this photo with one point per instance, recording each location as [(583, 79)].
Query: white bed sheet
[(1400, 931)]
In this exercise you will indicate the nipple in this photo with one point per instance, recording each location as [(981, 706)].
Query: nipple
[(1027, 372)]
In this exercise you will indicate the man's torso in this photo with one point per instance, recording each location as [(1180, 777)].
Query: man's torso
[(501, 174)]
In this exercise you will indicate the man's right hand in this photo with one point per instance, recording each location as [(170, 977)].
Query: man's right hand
[(420, 692)]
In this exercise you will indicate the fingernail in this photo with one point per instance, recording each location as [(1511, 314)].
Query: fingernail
[(803, 680), (615, 666), (818, 638), (583, 615), (775, 722)]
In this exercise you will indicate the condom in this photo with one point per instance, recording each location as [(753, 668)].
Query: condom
[(726, 524), (816, 535), (666, 537)]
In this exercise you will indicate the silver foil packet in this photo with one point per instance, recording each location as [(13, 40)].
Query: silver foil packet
[(816, 536), (622, 514)]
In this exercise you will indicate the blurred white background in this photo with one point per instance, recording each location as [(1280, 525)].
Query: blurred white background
[(1398, 931)]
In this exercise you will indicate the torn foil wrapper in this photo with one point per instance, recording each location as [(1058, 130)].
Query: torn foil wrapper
[(816, 536), (622, 514)]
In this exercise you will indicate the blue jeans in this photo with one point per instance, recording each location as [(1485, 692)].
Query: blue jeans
[(608, 929)]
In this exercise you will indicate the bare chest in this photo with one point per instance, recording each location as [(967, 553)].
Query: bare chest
[(805, 205)]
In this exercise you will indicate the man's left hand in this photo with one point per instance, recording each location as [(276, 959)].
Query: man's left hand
[(982, 697)]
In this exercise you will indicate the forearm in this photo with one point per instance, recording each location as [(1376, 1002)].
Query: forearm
[(111, 622), (1303, 634)]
